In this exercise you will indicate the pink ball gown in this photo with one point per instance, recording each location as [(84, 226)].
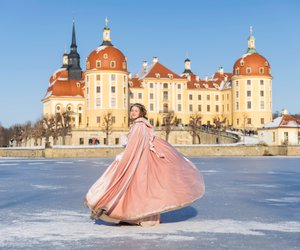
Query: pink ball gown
[(148, 178)]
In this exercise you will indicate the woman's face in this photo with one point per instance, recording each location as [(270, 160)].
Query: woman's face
[(134, 112)]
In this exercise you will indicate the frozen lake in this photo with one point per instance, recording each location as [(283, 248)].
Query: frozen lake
[(250, 203)]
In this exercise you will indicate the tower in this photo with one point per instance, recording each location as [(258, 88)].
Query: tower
[(251, 89), (74, 59)]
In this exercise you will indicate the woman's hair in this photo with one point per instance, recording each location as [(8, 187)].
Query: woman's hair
[(141, 107)]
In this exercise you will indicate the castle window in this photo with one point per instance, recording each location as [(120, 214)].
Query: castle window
[(208, 97), (249, 82), (112, 64), (262, 120), (261, 82), (57, 109), (151, 85), (242, 63), (98, 89), (79, 108), (199, 97), (237, 94), (237, 106), (151, 107), (262, 105), (261, 70), (248, 70), (266, 63), (165, 85), (199, 108), (151, 95), (98, 77), (124, 65), (179, 107), (98, 119), (262, 93), (208, 108), (217, 97), (88, 65), (105, 56), (179, 86), (157, 75), (237, 71), (236, 83), (248, 93), (113, 77), (170, 76), (178, 96), (98, 102), (190, 97), (248, 105), (165, 97), (113, 89), (98, 64), (237, 121), (191, 108), (113, 102), (113, 119), (69, 108), (248, 121), (140, 96), (131, 95), (217, 108)]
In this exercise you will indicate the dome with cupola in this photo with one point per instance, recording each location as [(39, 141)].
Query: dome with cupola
[(106, 56), (252, 63)]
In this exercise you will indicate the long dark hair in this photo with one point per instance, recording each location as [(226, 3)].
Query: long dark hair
[(141, 107)]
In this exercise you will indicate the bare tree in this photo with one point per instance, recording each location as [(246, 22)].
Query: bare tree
[(65, 125), (3, 136), (26, 132), (38, 131), (16, 134), (107, 125), (169, 120), (195, 122), (218, 122)]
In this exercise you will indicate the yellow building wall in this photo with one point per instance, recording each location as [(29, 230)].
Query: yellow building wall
[(113, 97), (260, 112)]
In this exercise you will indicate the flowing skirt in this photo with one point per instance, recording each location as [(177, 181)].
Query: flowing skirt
[(137, 187)]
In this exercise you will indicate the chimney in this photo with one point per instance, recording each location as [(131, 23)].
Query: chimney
[(154, 59), (221, 70), (145, 64)]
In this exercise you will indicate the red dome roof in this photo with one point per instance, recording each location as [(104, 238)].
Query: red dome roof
[(106, 58), (60, 85), (252, 64)]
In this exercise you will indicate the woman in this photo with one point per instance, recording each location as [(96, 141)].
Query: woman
[(148, 178)]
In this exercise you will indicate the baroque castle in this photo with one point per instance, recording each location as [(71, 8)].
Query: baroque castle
[(241, 98)]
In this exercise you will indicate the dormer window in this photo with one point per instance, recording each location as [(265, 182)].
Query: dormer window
[(242, 63), (248, 70), (112, 64), (261, 70), (237, 71), (124, 65), (57, 109), (170, 76), (105, 56), (266, 63), (98, 64), (157, 75), (87, 65)]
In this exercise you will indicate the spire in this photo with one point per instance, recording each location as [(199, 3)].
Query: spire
[(73, 44), (106, 34), (251, 42), (74, 58), (187, 66)]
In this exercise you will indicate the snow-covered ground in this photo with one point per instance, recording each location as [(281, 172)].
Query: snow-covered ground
[(250, 203)]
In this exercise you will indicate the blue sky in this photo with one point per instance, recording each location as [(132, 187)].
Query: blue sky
[(214, 33)]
